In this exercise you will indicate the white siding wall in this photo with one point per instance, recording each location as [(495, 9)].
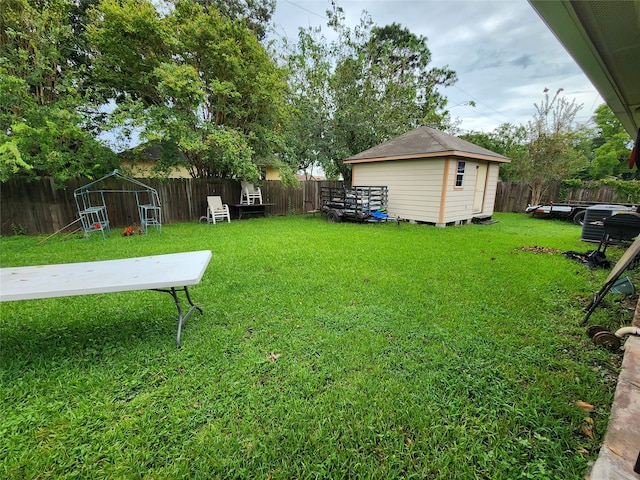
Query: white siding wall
[(459, 201), (415, 188), (492, 187)]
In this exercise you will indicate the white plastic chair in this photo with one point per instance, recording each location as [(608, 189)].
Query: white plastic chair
[(250, 193), (216, 210)]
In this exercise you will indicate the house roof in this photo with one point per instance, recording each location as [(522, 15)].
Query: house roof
[(425, 142)]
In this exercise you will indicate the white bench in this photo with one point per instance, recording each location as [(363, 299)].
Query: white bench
[(170, 273)]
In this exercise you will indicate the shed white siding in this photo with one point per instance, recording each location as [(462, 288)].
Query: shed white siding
[(424, 190), (413, 186), (493, 176)]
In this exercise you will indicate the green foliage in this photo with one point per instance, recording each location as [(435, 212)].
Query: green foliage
[(553, 145), (610, 147), (183, 75), (11, 161), (129, 41), (562, 151), (577, 183), (568, 185), (413, 349), (229, 152), (18, 229), (629, 190), (14, 98), (51, 142), (370, 84), (256, 13), (192, 78), (45, 126), (508, 140), (33, 40)]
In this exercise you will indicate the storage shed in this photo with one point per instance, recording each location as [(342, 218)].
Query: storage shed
[(432, 177)]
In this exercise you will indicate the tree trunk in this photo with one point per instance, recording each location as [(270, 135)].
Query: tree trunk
[(537, 191)]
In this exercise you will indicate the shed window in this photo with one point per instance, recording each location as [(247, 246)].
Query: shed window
[(460, 174)]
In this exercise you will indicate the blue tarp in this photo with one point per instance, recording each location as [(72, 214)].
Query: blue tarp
[(379, 215)]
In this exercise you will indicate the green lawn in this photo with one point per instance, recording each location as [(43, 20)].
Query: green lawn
[(324, 351)]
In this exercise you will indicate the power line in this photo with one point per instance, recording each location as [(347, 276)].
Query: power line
[(285, 35), (306, 9), (482, 103)]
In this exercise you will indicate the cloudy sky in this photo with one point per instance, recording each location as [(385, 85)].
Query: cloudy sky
[(503, 53)]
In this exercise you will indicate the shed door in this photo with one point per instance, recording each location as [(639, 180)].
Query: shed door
[(481, 184)]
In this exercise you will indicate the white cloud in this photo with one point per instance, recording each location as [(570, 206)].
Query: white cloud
[(503, 53)]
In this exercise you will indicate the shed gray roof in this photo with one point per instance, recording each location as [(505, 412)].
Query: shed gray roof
[(425, 142)]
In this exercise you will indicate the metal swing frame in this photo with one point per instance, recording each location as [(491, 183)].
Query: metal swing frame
[(92, 208)]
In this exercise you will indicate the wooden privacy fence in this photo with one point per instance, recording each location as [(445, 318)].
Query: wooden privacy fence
[(38, 208), (512, 197), (515, 196)]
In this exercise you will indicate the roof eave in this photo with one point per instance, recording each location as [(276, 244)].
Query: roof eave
[(562, 20), (454, 153)]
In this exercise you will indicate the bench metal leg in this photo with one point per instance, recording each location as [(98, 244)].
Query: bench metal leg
[(181, 318)]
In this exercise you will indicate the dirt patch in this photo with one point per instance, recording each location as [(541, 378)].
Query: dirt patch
[(537, 249)]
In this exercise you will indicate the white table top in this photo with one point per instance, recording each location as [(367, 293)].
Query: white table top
[(67, 279), (627, 258)]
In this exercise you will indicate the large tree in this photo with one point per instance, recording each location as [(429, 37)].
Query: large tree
[(307, 132), (554, 145), (610, 147), (192, 78), (255, 13), (370, 84), (509, 140), (46, 124)]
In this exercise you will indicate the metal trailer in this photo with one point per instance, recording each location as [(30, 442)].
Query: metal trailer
[(574, 211), (355, 204)]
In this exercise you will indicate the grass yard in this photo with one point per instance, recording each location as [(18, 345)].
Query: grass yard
[(324, 351)]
